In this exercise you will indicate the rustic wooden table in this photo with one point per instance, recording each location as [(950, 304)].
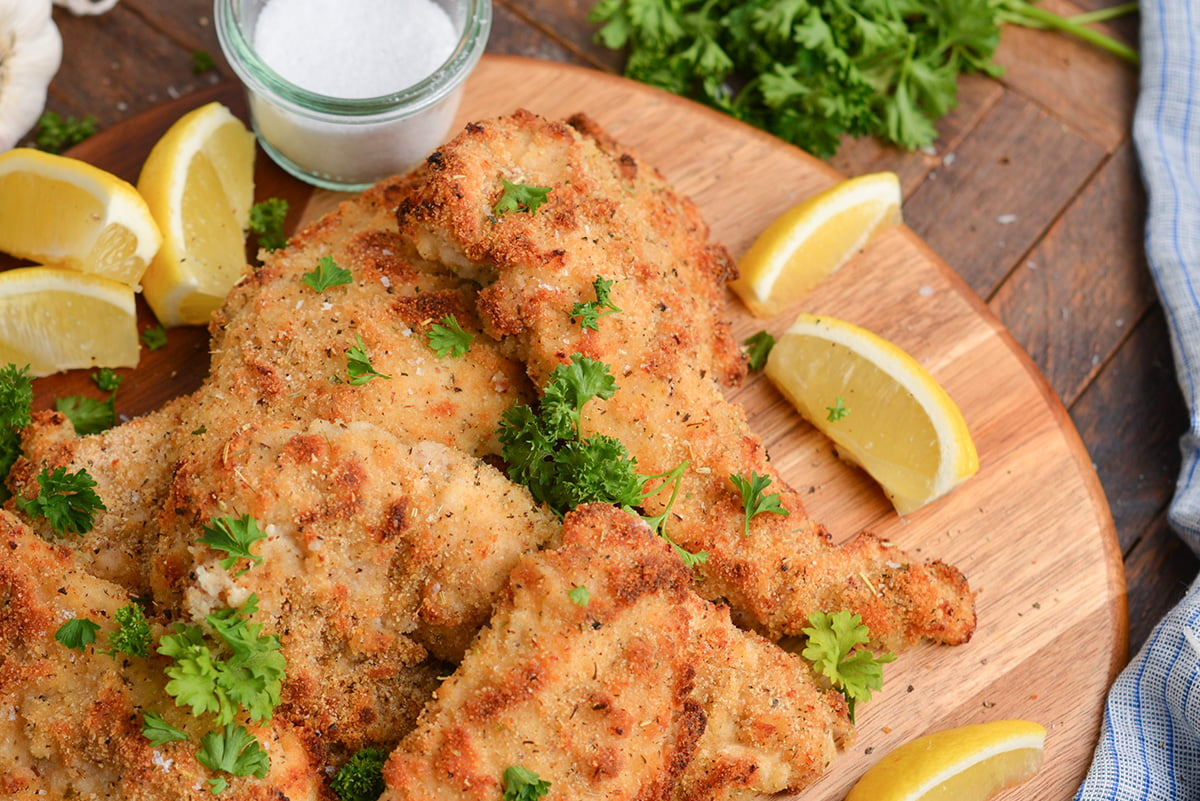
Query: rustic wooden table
[(1032, 194)]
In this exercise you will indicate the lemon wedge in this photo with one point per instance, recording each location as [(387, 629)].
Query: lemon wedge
[(884, 411), (806, 243), (968, 763), (199, 183), (67, 213), (55, 319)]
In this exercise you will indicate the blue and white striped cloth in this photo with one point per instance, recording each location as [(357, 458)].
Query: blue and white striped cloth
[(1150, 743)]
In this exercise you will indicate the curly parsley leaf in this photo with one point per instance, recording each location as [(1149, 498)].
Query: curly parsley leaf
[(16, 396), (326, 274), (158, 731), (266, 223), (754, 500), (202, 62), (235, 751), (88, 415), (132, 634), (358, 364), (516, 197), (154, 337), (56, 133), (68, 500), (590, 312), (836, 649), (16, 405), (522, 784), (361, 778), (243, 668), (106, 379), (77, 633), (758, 348), (234, 536), (545, 450), (447, 338)]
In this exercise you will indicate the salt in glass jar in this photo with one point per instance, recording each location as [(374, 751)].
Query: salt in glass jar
[(340, 140)]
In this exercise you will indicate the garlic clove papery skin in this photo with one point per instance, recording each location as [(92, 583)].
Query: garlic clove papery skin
[(30, 55)]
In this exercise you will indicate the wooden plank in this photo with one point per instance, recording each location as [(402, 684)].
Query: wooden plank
[(512, 34), (1133, 416), (992, 200), (117, 56), (1091, 268), (1090, 90), (1160, 569), (567, 22)]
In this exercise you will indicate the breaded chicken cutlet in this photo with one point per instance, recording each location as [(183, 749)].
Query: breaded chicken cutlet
[(390, 533), (638, 689), (670, 349)]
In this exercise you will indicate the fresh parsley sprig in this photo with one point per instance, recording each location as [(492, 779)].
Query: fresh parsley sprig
[(68, 500), (361, 778), (359, 369), (89, 415), (523, 784), (158, 731), (811, 71), (589, 312), (837, 411), (16, 406), (327, 273), (758, 348), (77, 633), (836, 647), (242, 669), (754, 500), (235, 751), (447, 338), (545, 450), (56, 132), (518, 197), (131, 635), (266, 222), (234, 536)]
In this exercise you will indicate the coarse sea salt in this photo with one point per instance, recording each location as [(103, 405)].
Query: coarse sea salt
[(354, 48), (345, 93)]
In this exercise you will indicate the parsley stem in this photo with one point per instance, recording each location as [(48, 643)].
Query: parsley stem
[(1030, 16)]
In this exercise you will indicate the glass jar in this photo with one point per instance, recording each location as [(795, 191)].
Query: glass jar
[(348, 144)]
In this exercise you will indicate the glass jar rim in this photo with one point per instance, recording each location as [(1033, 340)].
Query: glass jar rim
[(263, 79)]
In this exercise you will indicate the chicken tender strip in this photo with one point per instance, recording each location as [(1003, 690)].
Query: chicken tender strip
[(279, 351), (609, 215), (375, 551), (639, 691), (71, 723)]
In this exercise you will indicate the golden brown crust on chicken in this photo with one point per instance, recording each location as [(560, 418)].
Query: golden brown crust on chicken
[(644, 691), (669, 349), (71, 722)]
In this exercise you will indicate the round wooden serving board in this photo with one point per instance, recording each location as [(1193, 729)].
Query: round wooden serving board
[(1031, 531)]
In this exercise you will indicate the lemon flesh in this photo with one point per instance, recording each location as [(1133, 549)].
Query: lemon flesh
[(968, 763), (881, 408), (55, 319), (807, 243), (64, 212), (199, 183)]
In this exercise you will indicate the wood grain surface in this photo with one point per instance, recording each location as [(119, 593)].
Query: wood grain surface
[(1032, 530)]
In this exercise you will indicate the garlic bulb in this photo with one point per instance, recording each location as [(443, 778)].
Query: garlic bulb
[(82, 7), (30, 54)]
